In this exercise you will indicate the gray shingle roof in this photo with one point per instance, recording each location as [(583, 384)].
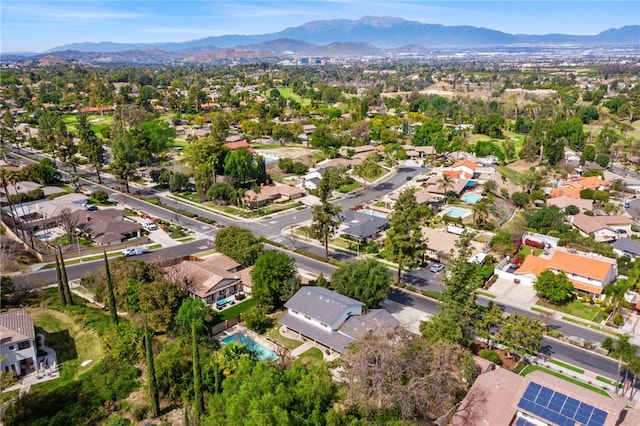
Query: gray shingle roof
[(334, 340), (16, 325), (320, 303), (627, 245)]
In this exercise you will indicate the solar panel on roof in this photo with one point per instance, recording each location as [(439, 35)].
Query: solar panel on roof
[(521, 421), (559, 409)]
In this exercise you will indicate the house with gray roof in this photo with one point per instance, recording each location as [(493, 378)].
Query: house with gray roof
[(627, 247), (361, 226), (17, 342), (331, 319)]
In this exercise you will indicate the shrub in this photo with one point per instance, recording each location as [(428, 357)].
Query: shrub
[(100, 195), (618, 319), (491, 355), (140, 412), (554, 333)]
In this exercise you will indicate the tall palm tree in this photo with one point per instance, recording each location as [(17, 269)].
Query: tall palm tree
[(481, 212), (445, 183)]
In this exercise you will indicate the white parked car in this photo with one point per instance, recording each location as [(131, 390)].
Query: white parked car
[(149, 225), (436, 267), (134, 251)]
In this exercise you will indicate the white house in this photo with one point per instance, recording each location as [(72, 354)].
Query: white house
[(588, 273), (331, 319), (17, 342)]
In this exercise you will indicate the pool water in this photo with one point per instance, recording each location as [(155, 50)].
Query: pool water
[(263, 353), (455, 212), (472, 198), (373, 213)]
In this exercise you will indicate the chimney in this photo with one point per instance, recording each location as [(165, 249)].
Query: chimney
[(88, 218)]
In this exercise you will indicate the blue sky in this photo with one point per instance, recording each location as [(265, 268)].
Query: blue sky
[(37, 26)]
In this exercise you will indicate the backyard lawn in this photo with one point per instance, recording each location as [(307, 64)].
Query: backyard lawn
[(274, 334), (73, 344), (313, 353)]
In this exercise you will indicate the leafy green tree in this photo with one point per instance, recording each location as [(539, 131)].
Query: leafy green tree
[(520, 199), (616, 292), (430, 133), (556, 288), (259, 393), (111, 299), (522, 333), (489, 318), (239, 244), (6, 289), (274, 279), (602, 160), (324, 216), (256, 319), (454, 321), (588, 153), (241, 168), (365, 280), (178, 182), (152, 138), (545, 219), (45, 172), (404, 237), (125, 159)]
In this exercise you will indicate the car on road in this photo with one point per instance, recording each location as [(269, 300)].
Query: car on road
[(90, 207), (134, 251), (409, 177), (436, 267), (627, 205)]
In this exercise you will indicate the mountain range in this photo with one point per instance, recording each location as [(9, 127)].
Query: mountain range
[(366, 36)]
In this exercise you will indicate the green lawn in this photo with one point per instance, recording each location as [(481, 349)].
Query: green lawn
[(576, 308), (532, 368), (312, 353), (72, 342), (236, 310), (274, 334)]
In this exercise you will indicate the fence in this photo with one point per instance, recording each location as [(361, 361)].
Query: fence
[(224, 325)]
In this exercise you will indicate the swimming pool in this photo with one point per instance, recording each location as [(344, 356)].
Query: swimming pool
[(373, 213), (263, 353), (472, 198), (456, 212)]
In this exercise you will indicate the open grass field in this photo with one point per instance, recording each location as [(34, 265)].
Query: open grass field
[(287, 93), (73, 343), (97, 122)]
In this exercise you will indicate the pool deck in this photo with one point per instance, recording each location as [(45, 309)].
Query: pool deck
[(250, 334)]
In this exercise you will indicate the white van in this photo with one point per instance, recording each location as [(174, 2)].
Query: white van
[(149, 225)]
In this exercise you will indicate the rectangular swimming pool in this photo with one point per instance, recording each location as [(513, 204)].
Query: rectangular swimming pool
[(456, 212), (263, 353), (373, 213)]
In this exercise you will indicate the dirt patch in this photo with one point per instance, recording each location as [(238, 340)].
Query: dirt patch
[(505, 360)]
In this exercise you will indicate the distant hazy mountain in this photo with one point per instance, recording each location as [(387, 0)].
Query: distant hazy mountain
[(383, 32)]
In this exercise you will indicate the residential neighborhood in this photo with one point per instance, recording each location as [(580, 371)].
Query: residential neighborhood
[(453, 242)]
